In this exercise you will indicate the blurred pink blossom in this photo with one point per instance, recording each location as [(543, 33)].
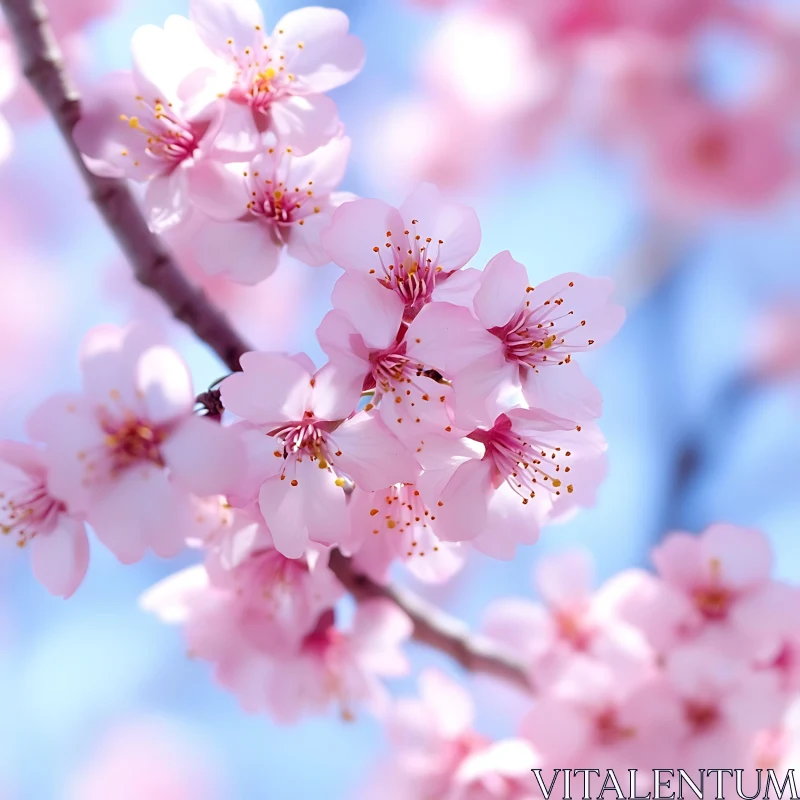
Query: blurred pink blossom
[(146, 757)]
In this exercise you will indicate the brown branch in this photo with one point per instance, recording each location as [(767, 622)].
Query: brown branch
[(152, 263), (435, 628), (155, 268)]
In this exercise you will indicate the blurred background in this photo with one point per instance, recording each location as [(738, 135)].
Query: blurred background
[(573, 151)]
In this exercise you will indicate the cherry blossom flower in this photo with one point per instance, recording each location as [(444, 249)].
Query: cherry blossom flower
[(31, 515), (572, 621), (277, 202), (705, 158), (527, 468), (395, 524), (139, 125), (437, 753), (592, 716), (523, 340), (367, 342), (413, 251), (128, 453), (723, 704), (280, 76), (247, 599), (271, 654), (313, 447)]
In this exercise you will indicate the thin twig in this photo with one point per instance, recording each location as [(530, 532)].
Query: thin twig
[(152, 263), (155, 268), (435, 628)]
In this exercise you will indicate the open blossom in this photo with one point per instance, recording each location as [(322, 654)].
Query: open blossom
[(313, 446), (128, 453), (281, 76), (366, 340), (279, 201), (269, 628), (141, 125), (437, 753), (396, 524), (414, 251), (715, 158), (528, 467), (722, 704), (522, 339), (247, 600), (572, 621), (31, 516)]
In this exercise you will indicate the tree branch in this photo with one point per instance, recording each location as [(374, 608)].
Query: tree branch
[(155, 268), (435, 628), (152, 263)]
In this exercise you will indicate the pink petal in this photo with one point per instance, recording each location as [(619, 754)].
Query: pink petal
[(247, 252), (565, 580), (104, 137), (323, 169), (233, 135), (679, 561), (217, 21), (357, 228), (336, 392), (562, 389), (502, 290), (328, 57), (271, 389), (375, 313), (509, 523), (448, 702), (303, 241), (166, 200), (204, 457), (305, 123), (156, 70), (163, 378), (372, 457), (464, 502), (458, 288), (217, 190), (456, 225), (60, 559), (380, 629), (449, 338), (483, 390), (140, 510), (744, 554)]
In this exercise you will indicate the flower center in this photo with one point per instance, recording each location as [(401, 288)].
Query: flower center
[(131, 441), (308, 439), (526, 466), (261, 75), (401, 513), (169, 138), (713, 602), (609, 730), (273, 201), (28, 512), (701, 716), (711, 149), (537, 335), (410, 268)]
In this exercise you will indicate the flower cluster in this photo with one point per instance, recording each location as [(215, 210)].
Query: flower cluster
[(230, 129), (693, 666), (633, 73)]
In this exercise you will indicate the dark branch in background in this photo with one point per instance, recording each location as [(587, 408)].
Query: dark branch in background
[(435, 628), (155, 268), (152, 264)]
